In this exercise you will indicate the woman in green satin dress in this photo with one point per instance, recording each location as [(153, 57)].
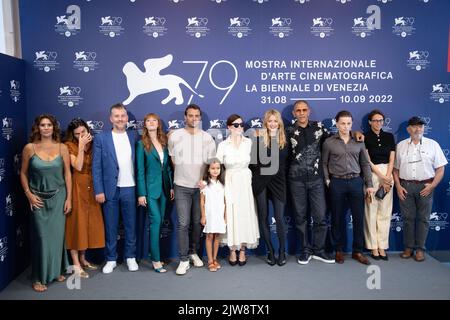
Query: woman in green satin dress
[(46, 180)]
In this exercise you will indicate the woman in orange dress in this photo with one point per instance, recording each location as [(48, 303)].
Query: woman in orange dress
[(84, 226)]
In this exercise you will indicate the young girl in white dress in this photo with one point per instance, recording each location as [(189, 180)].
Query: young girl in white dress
[(212, 205)]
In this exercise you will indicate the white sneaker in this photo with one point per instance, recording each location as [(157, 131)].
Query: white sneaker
[(182, 268), (109, 266), (132, 265), (196, 260)]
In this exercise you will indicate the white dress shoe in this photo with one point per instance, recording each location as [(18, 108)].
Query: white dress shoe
[(109, 266), (132, 264)]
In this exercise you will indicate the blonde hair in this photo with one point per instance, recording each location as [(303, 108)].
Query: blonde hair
[(265, 132)]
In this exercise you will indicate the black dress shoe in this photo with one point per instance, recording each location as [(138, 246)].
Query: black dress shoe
[(281, 259), (385, 258), (232, 263), (271, 259), (242, 263), (374, 257)]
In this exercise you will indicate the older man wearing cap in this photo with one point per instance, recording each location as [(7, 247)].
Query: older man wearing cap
[(418, 169)]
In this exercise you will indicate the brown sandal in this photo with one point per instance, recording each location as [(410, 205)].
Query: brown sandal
[(61, 278), (217, 264), (212, 267), (39, 287)]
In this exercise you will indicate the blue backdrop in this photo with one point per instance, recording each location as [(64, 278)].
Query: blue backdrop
[(13, 216), (244, 56)]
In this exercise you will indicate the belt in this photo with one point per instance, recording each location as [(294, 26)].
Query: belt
[(346, 176), (419, 181)]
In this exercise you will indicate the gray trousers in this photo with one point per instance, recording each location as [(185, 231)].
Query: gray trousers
[(187, 201), (416, 212)]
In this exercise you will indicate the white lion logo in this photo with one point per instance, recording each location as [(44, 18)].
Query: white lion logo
[(80, 55), (13, 84), (277, 22), (414, 55), (214, 123), (173, 124), (65, 90), (5, 123), (150, 20), (438, 87), (256, 123), (358, 22), (235, 21), (62, 19), (395, 217), (193, 21), (107, 20), (8, 199), (318, 22), (41, 55), (400, 21), (139, 82)]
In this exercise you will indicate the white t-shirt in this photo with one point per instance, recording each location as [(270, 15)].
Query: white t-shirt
[(124, 159), (190, 153), (418, 161)]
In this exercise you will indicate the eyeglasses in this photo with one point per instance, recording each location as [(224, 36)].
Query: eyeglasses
[(377, 121), (237, 125), (415, 156)]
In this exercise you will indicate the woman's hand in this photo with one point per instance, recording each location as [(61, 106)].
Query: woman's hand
[(142, 201), (203, 220), (67, 206), (172, 195), (84, 140), (35, 201)]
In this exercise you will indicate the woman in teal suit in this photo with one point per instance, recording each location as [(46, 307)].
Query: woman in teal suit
[(154, 180)]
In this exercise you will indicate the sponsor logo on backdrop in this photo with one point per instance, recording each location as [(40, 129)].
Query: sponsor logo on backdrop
[(17, 160), (197, 27), (111, 26), (96, 126), (2, 169), (280, 27), (9, 205), (69, 24), (440, 92), (219, 1), (302, 1), (424, 1), (135, 124), (154, 26), (364, 27), (176, 1), (7, 128), (70, 96), (46, 60), (427, 127), (14, 90), (403, 26), (343, 1), (438, 221), (384, 1), (239, 27), (322, 27), (3, 248), (396, 222), (446, 153), (386, 124), (151, 80), (418, 60), (166, 229), (85, 61), (175, 124), (260, 1)]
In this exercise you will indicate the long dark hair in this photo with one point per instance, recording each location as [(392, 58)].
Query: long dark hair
[(221, 176), (74, 124), (36, 135)]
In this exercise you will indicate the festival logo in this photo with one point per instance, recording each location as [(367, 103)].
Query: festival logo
[(322, 27), (7, 128), (46, 60), (197, 27), (69, 24), (302, 1), (239, 27), (95, 125), (14, 91), (3, 248), (438, 221), (2, 170), (175, 124), (281, 27), (396, 222), (386, 124), (418, 60), (85, 61), (440, 92), (9, 205), (70, 96), (111, 26), (155, 26), (403, 26)]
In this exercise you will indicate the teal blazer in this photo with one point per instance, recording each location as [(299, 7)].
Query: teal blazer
[(152, 177)]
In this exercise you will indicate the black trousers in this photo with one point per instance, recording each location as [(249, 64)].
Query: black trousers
[(262, 203)]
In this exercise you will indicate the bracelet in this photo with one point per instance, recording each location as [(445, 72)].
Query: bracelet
[(28, 190)]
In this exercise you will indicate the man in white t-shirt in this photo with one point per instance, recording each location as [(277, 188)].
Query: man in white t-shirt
[(418, 169), (114, 185), (190, 149)]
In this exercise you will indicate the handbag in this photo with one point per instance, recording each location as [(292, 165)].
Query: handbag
[(381, 193)]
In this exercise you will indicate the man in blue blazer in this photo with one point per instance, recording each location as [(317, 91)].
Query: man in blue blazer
[(114, 185)]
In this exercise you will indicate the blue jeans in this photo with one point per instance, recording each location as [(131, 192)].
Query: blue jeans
[(124, 202), (345, 193)]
